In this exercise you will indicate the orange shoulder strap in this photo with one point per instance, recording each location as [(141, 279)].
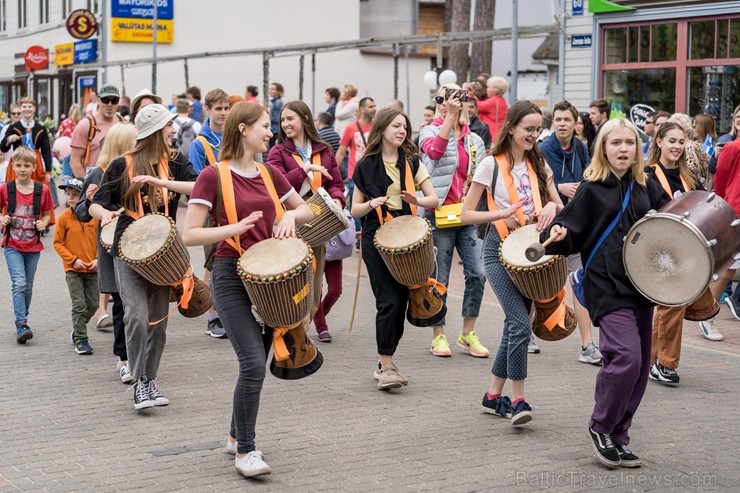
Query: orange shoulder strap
[(315, 159), (409, 185), (534, 182), (267, 178), (130, 170), (210, 156), (162, 171), (664, 181), (226, 188), (90, 136), (503, 230), (510, 188)]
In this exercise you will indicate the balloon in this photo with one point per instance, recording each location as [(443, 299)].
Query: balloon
[(62, 144), (447, 77), (430, 79)]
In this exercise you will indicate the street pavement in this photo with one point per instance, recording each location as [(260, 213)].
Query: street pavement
[(68, 424)]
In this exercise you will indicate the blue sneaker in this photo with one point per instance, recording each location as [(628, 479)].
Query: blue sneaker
[(23, 333), (499, 406), (81, 344), (521, 413)]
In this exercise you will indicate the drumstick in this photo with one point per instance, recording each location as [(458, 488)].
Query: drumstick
[(357, 289), (536, 251)]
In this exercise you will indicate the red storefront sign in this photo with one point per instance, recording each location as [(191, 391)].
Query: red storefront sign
[(36, 58)]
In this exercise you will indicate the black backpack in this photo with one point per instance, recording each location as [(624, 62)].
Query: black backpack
[(38, 189)]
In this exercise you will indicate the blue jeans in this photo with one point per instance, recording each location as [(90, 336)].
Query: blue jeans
[(22, 270), (464, 239)]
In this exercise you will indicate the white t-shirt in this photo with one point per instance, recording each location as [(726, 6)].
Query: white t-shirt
[(484, 175)]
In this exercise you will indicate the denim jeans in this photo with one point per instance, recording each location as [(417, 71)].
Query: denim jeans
[(464, 239), (22, 270)]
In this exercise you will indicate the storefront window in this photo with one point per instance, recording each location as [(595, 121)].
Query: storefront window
[(701, 43), (714, 91), (652, 87), (615, 45), (663, 41)]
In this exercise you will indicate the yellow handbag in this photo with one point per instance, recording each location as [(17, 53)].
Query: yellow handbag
[(448, 216)]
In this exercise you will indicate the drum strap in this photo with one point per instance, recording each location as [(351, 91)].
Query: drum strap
[(503, 231), (163, 172), (664, 181), (407, 186), (210, 156), (314, 177)]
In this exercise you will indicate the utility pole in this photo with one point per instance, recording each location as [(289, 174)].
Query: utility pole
[(514, 51), (154, 47)]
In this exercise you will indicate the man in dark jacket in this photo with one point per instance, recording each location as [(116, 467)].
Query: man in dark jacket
[(477, 126)]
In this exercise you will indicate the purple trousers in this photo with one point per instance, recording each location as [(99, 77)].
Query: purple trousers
[(625, 338)]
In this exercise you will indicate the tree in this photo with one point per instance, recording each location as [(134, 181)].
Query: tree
[(480, 60), (458, 58)]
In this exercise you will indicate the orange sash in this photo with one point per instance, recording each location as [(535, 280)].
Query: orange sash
[(315, 183), (210, 156), (500, 225), (664, 181), (163, 173), (408, 186)]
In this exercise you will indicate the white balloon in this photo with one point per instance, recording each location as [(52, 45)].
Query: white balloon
[(430, 79), (447, 77)]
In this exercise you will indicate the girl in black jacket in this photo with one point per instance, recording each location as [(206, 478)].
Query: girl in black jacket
[(622, 313)]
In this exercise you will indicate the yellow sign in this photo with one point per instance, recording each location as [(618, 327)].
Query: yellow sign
[(64, 54), (140, 30)]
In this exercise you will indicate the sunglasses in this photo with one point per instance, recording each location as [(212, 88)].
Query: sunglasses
[(109, 100), (16, 113)]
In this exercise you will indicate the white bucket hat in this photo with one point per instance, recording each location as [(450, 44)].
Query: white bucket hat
[(144, 93), (150, 119)]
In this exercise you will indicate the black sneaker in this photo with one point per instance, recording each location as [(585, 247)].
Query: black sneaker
[(663, 374), (216, 329), (521, 413), (500, 406), (604, 448), (141, 395), (157, 398), (627, 458)]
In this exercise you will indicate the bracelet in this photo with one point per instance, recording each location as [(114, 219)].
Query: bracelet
[(370, 203)]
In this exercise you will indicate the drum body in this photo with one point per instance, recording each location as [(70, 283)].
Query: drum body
[(703, 308), (672, 255), (405, 245), (200, 300), (539, 280), (328, 220), (107, 233), (152, 247), (278, 276)]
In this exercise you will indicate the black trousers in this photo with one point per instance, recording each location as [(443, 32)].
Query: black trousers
[(391, 299), (119, 334)]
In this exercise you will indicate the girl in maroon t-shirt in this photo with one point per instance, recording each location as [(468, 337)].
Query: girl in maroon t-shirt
[(246, 134)]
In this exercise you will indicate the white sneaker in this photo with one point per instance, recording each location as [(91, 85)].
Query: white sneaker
[(124, 372), (252, 465), (709, 329), (231, 447)]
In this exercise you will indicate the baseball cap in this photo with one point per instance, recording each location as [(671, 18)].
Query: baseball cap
[(151, 118), (109, 91), (72, 183)]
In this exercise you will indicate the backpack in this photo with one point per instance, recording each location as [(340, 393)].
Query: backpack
[(38, 189), (94, 129), (185, 136)]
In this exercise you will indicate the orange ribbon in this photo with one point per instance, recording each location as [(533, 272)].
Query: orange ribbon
[(431, 283), (278, 343), (557, 317), (188, 285)]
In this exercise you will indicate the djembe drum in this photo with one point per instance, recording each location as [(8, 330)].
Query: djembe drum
[(405, 245), (541, 281), (328, 220), (278, 275), (107, 233)]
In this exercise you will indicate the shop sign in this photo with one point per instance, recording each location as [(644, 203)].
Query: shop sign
[(140, 30), (64, 54), (580, 41), (36, 58), (86, 51), (82, 24), (142, 9), (638, 115), (577, 7)]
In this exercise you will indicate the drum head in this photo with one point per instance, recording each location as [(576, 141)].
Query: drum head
[(667, 259), (402, 231), (108, 231), (514, 247), (272, 257), (333, 206), (145, 236)]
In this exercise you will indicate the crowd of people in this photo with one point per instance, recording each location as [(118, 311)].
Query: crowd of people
[(570, 179)]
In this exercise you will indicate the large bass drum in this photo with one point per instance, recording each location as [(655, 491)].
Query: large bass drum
[(672, 255)]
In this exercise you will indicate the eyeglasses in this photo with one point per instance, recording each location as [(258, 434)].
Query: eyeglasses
[(649, 122), (531, 130), (15, 113), (109, 100)]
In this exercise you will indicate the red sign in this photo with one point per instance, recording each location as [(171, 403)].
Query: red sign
[(82, 24), (36, 58)]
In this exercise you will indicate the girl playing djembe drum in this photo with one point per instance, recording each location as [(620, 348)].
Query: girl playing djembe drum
[(623, 314), (379, 180), (151, 178), (246, 134), (525, 187)]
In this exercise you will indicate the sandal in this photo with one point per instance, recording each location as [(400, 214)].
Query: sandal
[(104, 321)]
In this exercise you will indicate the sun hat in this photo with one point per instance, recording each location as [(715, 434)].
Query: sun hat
[(144, 93), (109, 91), (151, 118), (72, 183)]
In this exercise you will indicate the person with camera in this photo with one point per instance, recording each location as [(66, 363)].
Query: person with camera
[(450, 152)]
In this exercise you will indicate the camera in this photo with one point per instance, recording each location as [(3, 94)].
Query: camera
[(460, 94)]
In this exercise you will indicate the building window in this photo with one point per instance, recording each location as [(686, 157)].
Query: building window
[(92, 6), (3, 16), (66, 8), (22, 19), (43, 11)]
